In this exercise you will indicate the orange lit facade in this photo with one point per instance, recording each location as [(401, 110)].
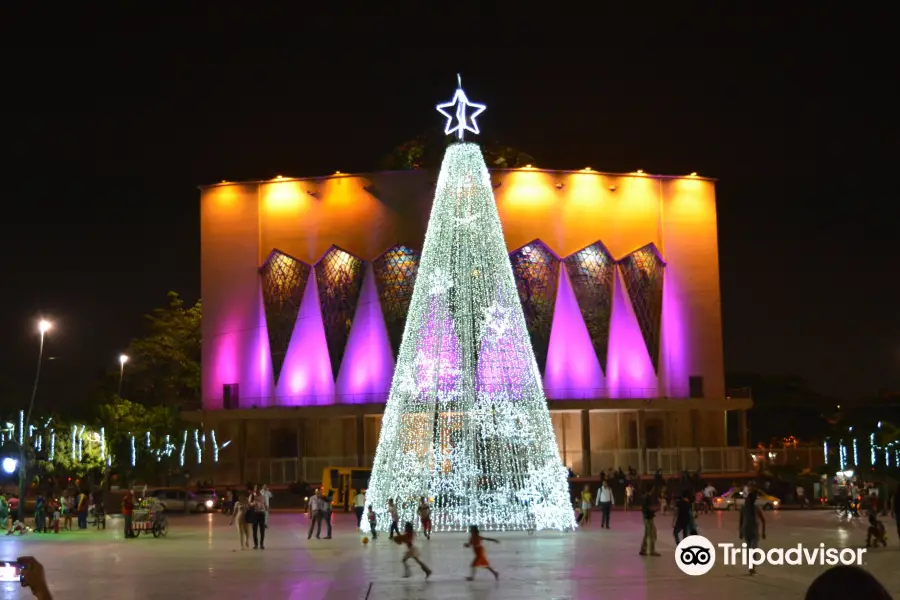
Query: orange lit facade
[(303, 284)]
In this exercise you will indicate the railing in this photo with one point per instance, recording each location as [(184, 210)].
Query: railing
[(804, 457), (614, 393), (668, 460)]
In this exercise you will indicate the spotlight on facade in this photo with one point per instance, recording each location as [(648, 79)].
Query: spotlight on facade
[(640, 171), (694, 174), (279, 177), (587, 169), (10, 465)]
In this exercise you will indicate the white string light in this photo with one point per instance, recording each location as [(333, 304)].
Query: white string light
[(74, 444), (466, 421), (147, 438), (855, 453), (21, 427), (133, 452), (183, 444), (460, 103), (872, 448), (52, 445), (197, 446), (212, 436), (103, 443), (80, 443)]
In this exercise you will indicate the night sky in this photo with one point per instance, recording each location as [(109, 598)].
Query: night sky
[(107, 135)]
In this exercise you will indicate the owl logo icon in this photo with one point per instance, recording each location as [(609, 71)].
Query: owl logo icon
[(695, 555)]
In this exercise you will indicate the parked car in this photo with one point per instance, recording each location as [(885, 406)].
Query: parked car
[(173, 500), (734, 497)]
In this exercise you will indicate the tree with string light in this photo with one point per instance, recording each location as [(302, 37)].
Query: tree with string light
[(466, 424)]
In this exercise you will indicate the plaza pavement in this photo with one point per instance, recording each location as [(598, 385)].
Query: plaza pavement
[(200, 559)]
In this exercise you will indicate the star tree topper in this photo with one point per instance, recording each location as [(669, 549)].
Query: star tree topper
[(463, 122)]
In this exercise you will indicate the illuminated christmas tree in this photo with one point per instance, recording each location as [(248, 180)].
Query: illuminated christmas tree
[(466, 424)]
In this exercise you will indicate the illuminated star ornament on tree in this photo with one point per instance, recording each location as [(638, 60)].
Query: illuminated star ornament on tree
[(461, 102), (466, 423)]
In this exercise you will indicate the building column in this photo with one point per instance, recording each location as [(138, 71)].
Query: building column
[(360, 440), (586, 443), (743, 433), (242, 450), (641, 444)]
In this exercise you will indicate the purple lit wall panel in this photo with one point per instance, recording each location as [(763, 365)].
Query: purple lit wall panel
[(673, 341), (306, 377), (262, 359), (368, 365), (629, 372), (572, 364), (240, 356)]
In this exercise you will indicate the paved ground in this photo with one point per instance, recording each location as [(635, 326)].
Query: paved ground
[(199, 558)]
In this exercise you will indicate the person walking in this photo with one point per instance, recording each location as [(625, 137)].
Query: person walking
[(40, 515), (359, 506), (629, 496), (586, 498), (315, 514), (752, 522), (258, 504), (239, 518), (682, 517), (395, 518), (648, 509), (266, 498), (412, 552), (425, 517), (372, 523), (605, 501)]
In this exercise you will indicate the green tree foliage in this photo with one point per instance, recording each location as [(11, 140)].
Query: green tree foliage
[(426, 151), (64, 463), (123, 419), (164, 367)]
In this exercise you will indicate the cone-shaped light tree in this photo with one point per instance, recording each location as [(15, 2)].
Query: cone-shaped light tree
[(466, 424)]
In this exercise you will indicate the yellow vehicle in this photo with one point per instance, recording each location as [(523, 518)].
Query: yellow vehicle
[(342, 483)]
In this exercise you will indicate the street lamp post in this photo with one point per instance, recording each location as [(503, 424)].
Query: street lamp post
[(122, 360), (43, 327)]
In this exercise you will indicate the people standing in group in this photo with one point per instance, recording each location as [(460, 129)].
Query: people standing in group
[(359, 506), (629, 496), (586, 499), (81, 509), (752, 525), (648, 509), (412, 552), (395, 518), (605, 501), (40, 515), (239, 518), (128, 512), (477, 546), (68, 504), (315, 513), (425, 517), (258, 506)]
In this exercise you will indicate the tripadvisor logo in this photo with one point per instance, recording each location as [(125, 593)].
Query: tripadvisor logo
[(696, 555)]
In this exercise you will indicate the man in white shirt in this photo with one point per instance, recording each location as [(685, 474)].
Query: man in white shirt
[(266, 496), (605, 501), (708, 492), (359, 506), (316, 512)]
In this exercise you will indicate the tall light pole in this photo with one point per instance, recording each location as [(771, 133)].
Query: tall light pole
[(43, 326), (122, 360)]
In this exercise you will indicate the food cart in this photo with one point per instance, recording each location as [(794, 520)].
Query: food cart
[(149, 517)]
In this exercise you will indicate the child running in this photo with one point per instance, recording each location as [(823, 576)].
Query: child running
[(425, 517), (408, 538), (475, 543), (372, 523), (395, 518), (876, 533)]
